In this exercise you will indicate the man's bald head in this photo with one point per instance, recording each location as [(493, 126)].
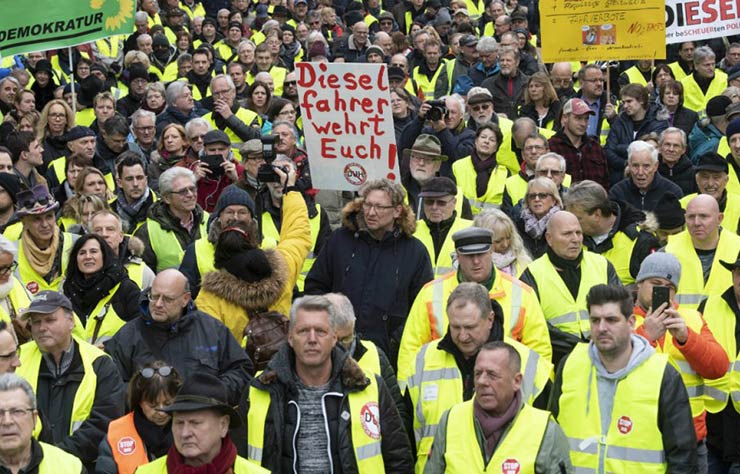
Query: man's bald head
[(169, 296), (703, 219), (564, 235)]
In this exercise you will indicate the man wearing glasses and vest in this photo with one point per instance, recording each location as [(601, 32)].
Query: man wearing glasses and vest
[(77, 385), (427, 321), (622, 406), (443, 374), (314, 409)]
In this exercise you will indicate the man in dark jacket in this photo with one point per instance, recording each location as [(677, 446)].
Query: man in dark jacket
[(507, 87), (180, 106), (376, 262), (637, 119), (313, 399), (675, 164), (644, 186), (55, 363), (173, 330)]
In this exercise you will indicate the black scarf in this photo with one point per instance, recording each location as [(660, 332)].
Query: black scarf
[(569, 270), (483, 171), (157, 439), (85, 293)]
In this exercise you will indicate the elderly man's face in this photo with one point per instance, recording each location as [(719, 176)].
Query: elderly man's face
[(84, 146), (52, 332), (712, 183), (495, 382), (454, 114), (287, 139), (438, 209), (488, 58), (706, 67), (7, 91), (565, 236), (41, 227), (532, 149), (17, 423), (108, 227), (481, 112), (9, 360), (198, 434), (468, 328), (423, 167), (642, 169), (508, 63), (672, 148), (168, 298), (702, 218), (183, 197), (312, 339)]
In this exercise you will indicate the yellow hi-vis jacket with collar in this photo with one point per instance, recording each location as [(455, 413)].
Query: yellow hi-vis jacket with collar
[(516, 451), (241, 466), (31, 280), (370, 360), (631, 442), (18, 299), (558, 305), (426, 84), (103, 322), (57, 461), (165, 245), (465, 176), (735, 383), (84, 398), (620, 255), (245, 115), (720, 319), (694, 98), (427, 320), (443, 263), (692, 289), (363, 419), (731, 211), (436, 385)]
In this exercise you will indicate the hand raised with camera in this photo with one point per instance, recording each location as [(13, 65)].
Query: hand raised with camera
[(230, 170), (200, 168)]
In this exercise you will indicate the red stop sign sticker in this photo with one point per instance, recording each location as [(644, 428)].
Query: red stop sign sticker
[(126, 446), (510, 466), (624, 424), (33, 287)]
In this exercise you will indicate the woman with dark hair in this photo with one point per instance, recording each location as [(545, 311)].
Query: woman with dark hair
[(258, 98), (102, 295), (402, 106), (280, 110), (541, 102), (671, 96), (479, 175), (143, 434), (661, 75)]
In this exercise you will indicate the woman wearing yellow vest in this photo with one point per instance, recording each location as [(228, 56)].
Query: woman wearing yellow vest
[(541, 102), (479, 175), (102, 295), (144, 434)]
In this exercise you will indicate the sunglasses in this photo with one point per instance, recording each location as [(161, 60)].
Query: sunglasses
[(149, 372), (540, 196), (289, 83), (31, 201)]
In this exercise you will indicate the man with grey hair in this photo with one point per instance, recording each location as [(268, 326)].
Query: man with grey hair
[(314, 395), (443, 374), (174, 221), (675, 163), (180, 106), (644, 186), (487, 64), (195, 129), (238, 123), (77, 385), (705, 82), (376, 261), (144, 131), (19, 451), (13, 296)]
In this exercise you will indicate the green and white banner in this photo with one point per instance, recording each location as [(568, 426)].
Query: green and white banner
[(39, 25)]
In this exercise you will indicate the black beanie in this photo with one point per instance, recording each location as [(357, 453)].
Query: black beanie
[(10, 183), (669, 212), (250, 266)]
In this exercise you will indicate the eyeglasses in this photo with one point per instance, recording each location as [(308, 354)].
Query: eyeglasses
[(480, 107), (548, 173), (540, 196), (196, 138), (422, 159), (144, 129), (9, 269), (593, 80), (289, 83), (154, 297), (185, 191), (223, 92), (437, 202), (12, 354), (366, 206), (15, 413), (57, 116), (534, 147), (149, 372)]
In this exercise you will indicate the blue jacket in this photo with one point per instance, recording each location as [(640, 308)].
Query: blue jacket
[(703, 139)]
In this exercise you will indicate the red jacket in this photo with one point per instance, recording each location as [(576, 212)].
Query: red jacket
[(209, 189)]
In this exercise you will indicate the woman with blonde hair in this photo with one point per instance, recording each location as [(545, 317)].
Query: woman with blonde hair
[(532, 214), (509, 254), (541, 102), (56, 120), (78, 212)]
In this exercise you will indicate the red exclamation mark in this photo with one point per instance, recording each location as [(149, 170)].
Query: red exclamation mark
[(392, 161)]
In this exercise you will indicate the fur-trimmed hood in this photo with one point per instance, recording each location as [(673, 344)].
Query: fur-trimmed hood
[(251, 296), (135, 246), (354, 220), (345, 370)]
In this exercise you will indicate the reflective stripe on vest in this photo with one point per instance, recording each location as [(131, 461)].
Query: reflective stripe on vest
[(85, 395), (34, 282), (205, 252), (103, 322), (129, 451), (735, 384), (165, 244), (720, 319), (466, 179), (436, 385), (559, 307), (364, 419), (443, 262), (631, 441), (57, 461), (520, 445), (370, 360), (691, 289)]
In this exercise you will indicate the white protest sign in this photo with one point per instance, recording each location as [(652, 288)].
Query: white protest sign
[(347, 123), (700, 19)]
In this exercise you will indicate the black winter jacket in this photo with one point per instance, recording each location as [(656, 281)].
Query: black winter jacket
[(380, 277), (682, 174), (503, 103), (626, 191), (197, 342), (279, 380)]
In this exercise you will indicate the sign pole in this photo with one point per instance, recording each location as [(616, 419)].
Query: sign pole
[(72, 77)]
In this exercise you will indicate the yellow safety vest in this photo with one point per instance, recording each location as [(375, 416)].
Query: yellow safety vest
[(465, 176), (694, 382), (205, 252), (225, 50), (85, 117), (85, 395), (57, 461), (278, 78), (426, 84), (109, 47), (733, 184), (635, 76), (270, 232), (475, 8), (620, 255), (678, 71), (370, 360), (17, 298), (631, 442), (168, 75), (691, 288), (364, 419), (443, 262), (560, 309), (731, 212), (13, 231), (408, 21), (694, 98), (245, 115), (241, 466), (735, 383), (516, 186), (165, 245), (516, 452), (723, 149), (103, 322), (60, 163), (720, 320), (436, 385), (135, 270), (196, 10), (34, 282)]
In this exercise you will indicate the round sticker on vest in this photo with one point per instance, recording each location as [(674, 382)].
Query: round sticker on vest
[(624, 424), (370, 419), (33, 287), (510, 466), (126, 446)]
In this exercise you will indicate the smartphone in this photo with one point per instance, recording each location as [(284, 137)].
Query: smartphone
[(214, 164), (661, 294)]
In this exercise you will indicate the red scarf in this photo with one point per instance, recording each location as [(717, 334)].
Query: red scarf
[(223, 463)]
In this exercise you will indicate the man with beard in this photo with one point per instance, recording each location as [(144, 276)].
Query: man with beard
[(133, 195), (13, 300), (290, 88), (480, 108), (81, 141), (561, 76), (507, 87)]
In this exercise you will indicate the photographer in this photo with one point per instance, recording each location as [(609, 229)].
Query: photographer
[(444, 119), (216, 168)]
